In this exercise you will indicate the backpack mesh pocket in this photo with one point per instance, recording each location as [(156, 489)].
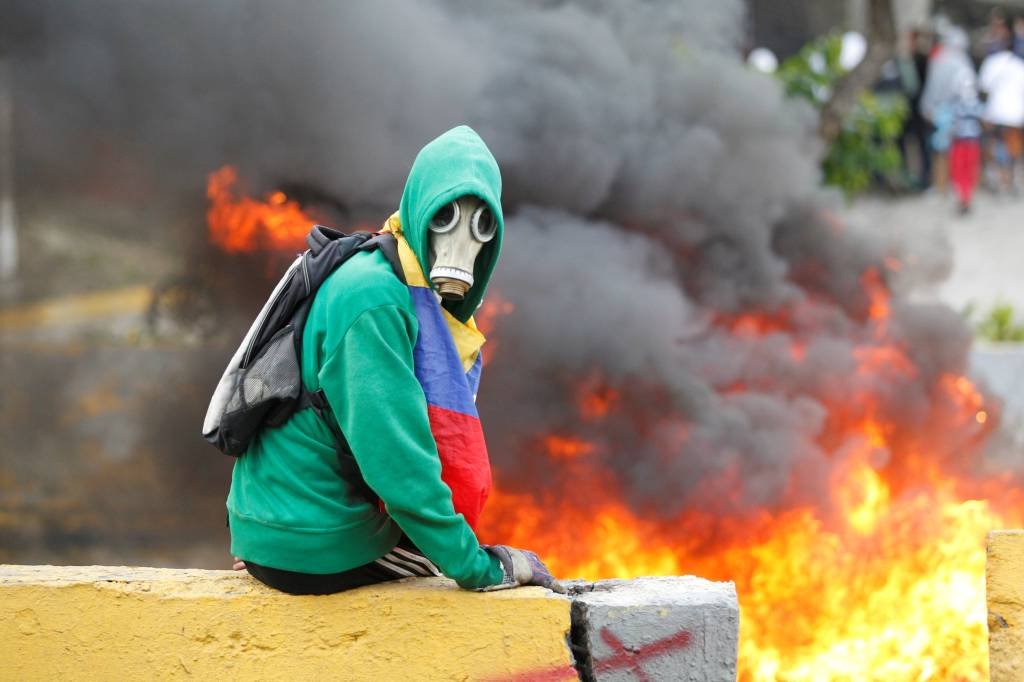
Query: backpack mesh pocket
[(270, 382)]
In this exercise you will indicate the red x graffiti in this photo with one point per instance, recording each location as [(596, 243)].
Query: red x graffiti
[(631, 658), (623, 657)]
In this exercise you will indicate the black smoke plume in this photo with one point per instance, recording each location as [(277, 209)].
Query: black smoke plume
[(656, 189)]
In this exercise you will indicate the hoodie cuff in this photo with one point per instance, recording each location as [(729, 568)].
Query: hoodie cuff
[(508, 579)]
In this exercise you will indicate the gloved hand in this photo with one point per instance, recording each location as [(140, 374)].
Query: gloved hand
[(522, 567)]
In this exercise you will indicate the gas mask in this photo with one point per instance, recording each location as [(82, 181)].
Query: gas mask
[(458, 231)]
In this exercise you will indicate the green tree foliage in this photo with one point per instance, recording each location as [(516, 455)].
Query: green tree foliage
[(1000, 324), (867, 147)]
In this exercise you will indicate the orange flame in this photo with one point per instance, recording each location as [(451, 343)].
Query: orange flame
[(243, 224), (567, 447), (494, 307), (598, 404), (892, 588), (878, 300)]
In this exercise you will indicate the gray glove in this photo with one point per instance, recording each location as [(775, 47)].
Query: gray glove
[(522, 567)]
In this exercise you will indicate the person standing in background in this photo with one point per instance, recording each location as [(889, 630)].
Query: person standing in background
[(994, 38), (965, 148), (1018, 36), (916, 130), (948, 69), (1002, 80)]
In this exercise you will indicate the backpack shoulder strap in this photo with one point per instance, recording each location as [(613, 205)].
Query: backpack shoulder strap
[(319, 239), (346, 460), (321, 236)]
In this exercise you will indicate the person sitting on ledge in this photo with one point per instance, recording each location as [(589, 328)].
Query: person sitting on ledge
[(399, 364)]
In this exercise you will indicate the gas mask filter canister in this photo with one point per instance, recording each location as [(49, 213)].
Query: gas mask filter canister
[(458, 231)]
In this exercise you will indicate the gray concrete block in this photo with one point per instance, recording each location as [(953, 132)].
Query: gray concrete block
[(649, 629)]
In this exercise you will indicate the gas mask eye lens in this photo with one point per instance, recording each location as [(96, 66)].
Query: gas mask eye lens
[(446, 218), (483, 224)]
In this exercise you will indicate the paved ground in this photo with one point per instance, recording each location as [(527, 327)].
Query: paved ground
[(981, 252)]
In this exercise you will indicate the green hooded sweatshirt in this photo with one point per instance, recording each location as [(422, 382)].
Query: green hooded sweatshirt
[(289, 507)]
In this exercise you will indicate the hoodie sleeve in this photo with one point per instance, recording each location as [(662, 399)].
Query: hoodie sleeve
[(379, 405)]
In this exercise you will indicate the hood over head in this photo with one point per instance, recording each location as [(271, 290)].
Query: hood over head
[(456, 164), (955, 38)]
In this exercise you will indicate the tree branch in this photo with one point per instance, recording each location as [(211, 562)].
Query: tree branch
[(881, 41)]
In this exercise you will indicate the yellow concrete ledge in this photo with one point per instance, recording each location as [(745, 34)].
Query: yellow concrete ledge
[(119, 623), (1004, 583)]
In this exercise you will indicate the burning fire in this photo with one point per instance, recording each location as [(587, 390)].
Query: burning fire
[(884, 580), (242, 224), (886, 585), (881, 578)]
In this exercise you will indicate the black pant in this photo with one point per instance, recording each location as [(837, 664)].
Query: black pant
[(403, 561), (918, 132)]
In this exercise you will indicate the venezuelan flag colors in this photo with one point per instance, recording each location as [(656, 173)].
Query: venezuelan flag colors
[(448, 364)]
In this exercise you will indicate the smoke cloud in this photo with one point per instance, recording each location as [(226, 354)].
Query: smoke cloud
[(657, 191)]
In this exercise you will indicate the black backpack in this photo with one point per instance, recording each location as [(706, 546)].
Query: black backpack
[(262, 385)]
